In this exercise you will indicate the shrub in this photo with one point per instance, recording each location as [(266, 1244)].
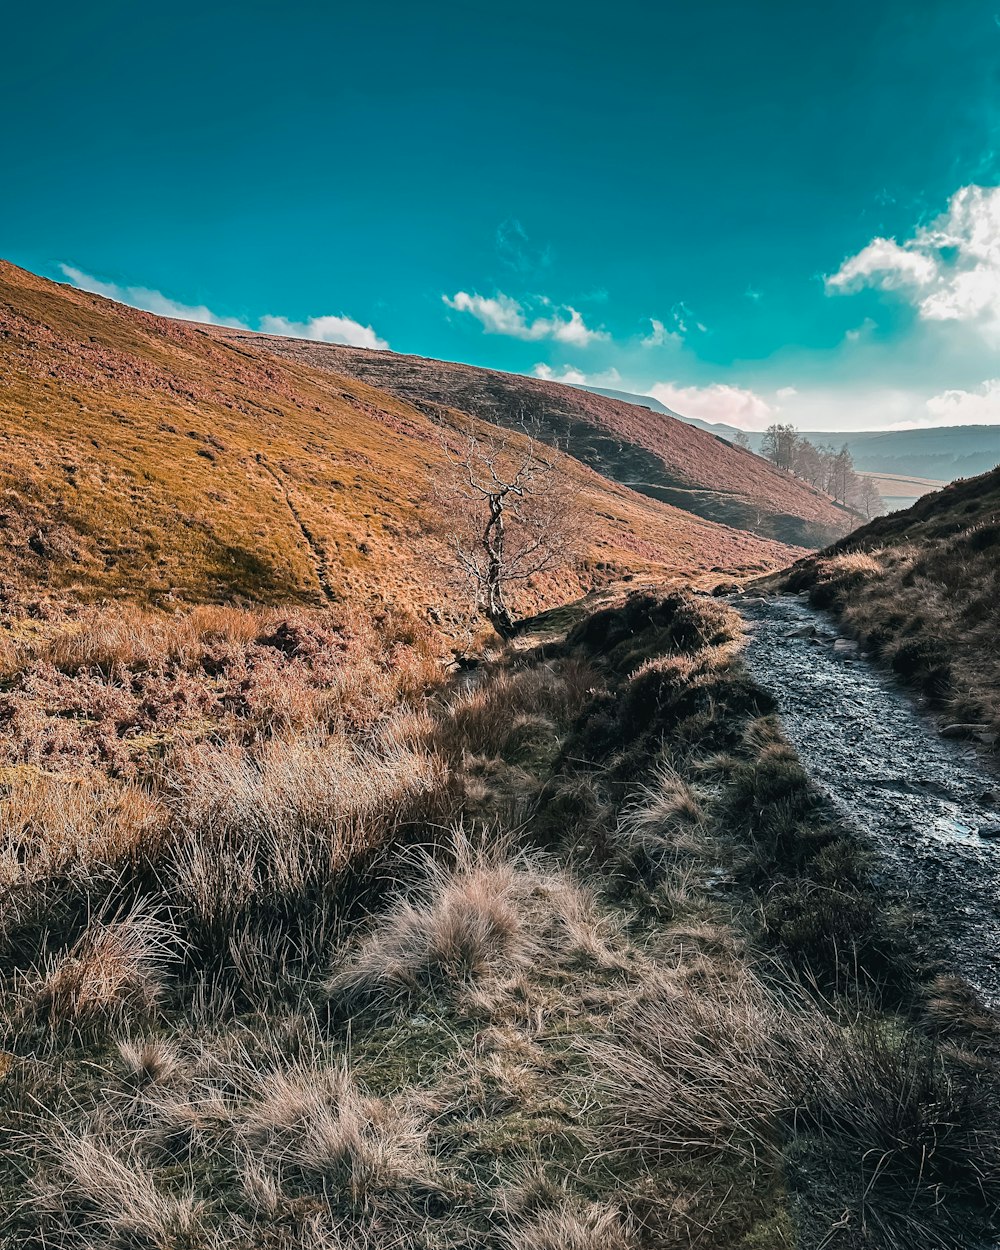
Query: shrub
[(908, 1144)]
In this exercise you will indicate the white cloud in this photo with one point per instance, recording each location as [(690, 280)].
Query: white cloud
[(327, 329), (978, 407), (570, 374), (683, 319), (885, 264), (950, 270), (785, 392), (502, 314), (150, 301), (659, 335), (733, 405)]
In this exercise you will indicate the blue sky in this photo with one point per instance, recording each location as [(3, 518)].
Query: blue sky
[(755, 211)]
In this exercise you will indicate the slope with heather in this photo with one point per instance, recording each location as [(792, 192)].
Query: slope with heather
[(145, 458), (919, 589), (651, 452)]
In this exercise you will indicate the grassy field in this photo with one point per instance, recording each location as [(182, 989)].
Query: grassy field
[(304, 946), (900, 491)]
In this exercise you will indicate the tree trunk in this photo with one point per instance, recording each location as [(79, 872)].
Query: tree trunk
[(493, 536)]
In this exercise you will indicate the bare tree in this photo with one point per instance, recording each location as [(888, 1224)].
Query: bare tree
[(778, 445), (867, 498), (510, 511), (741, 439)]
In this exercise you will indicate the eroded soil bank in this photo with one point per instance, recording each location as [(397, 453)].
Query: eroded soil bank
[(929, 805)]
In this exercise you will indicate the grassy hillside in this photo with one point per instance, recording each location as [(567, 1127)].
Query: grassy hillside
[(920, 589), (652, 452), (142, 457), (333, 954)]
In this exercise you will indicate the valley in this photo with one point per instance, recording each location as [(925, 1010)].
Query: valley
[(334, 917)]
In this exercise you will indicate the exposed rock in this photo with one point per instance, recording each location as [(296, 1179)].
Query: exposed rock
[(845, 646)]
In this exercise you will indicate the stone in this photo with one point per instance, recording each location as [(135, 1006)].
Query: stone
[(804, 631), (845, 646), (991, 830)]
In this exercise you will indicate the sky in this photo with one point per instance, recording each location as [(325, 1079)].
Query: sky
[(754, 211)]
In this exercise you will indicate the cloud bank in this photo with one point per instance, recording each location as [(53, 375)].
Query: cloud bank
[(609, 378), (328, 329), (720, 402)]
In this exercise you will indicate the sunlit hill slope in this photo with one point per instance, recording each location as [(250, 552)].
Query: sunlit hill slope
[(148, 458)]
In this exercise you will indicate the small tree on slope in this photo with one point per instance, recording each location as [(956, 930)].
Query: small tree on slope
[(512, 515)]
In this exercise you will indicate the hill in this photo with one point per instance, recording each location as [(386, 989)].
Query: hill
[(653, 454), (147, 458), (919, 589), (929, 457), (941, 453)]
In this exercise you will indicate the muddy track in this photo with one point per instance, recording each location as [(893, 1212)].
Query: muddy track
[(309, 540), (927, 805)]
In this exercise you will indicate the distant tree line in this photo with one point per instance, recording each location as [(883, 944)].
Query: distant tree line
[(825, 467)]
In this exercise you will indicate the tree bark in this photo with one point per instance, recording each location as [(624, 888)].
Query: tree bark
[(493, 539)]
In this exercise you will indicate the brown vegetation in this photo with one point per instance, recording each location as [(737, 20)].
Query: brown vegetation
[(650, 452), (919, 590), (148, 460), (565, 953)]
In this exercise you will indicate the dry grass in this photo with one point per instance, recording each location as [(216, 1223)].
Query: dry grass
[(551, 1033), (53, 825), (485, 912), (740, 1069), (580, 1226), (106, 1195), (919, 589), (113, 974)]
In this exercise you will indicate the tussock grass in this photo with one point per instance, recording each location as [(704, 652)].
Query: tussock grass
[(113, 974), (107, 1195), (257, 995), (581, 1226), (486, 911), (741, 1069)]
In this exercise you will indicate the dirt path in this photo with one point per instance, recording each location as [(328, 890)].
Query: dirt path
[(309, 541), (929, 805)]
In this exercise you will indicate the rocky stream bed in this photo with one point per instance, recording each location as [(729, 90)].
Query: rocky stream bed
[(928, 804)]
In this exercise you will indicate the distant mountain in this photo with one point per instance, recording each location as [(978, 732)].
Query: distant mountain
[(943, 453), (717, 428)]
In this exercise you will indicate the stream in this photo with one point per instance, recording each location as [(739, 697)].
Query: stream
[(928, 805)]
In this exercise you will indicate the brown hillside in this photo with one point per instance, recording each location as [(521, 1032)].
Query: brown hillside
[(146, 458), (648, 451), (920, 589)]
